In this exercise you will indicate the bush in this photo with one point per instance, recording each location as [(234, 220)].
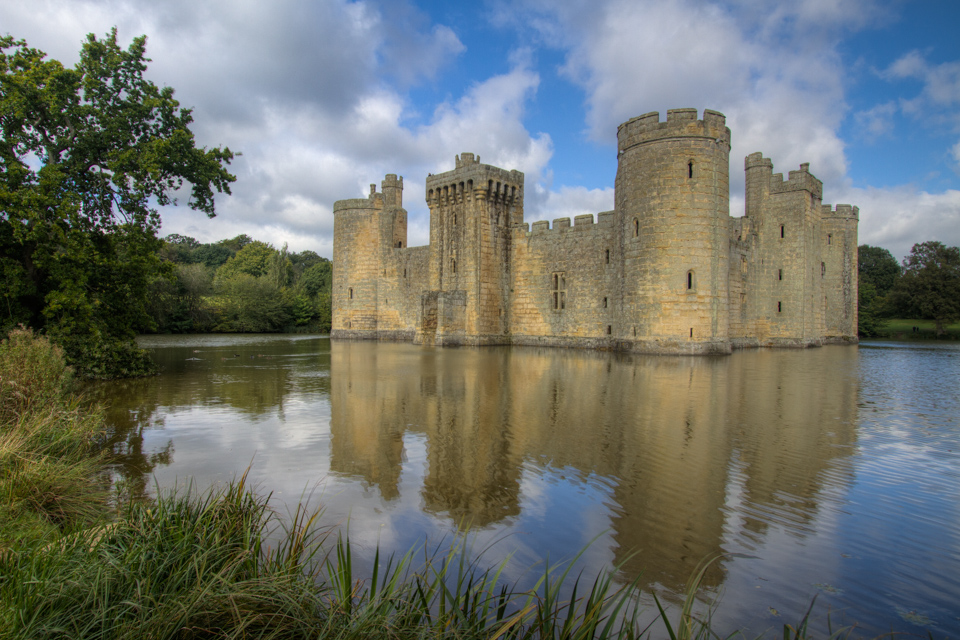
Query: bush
[(49, 444)]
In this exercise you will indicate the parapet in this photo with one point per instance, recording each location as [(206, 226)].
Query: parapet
[(374, 201), (846, 211), (756, 160), (801, 180), (470, 179), (680, 123)]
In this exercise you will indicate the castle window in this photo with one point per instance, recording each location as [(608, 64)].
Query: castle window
[(404, 273), (399, 244), (453, 265), (606, 257), (779, 274), (604, 303), (609, 329), (559, 291), (455, 219), (691, 332), (781, 231), (690, 169), (689, 280), (779, 306), (351, 293), (829, 238), (636, 227), (823, 269)]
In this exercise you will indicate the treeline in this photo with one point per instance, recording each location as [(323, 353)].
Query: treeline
[(238, 285), (925, 286)]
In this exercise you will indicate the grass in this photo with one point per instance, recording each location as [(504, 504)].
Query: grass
[(902, 329), (223, 565)]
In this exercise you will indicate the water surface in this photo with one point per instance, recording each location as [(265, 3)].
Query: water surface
[(830, 472)]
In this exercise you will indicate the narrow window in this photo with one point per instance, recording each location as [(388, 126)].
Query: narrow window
[(779, 274), (781, 231), (691, 332), (607, 256), (453, 263), (690, 169), (689, 280), (351, 293), (604, 303), (609, 329), (634, 332), (636, 227), (779, 306), (399, 244), (404, 273), (455, 222), (823, 269), (829, 238), (559, 291)]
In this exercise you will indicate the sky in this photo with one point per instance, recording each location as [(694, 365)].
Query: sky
[(325, 97)]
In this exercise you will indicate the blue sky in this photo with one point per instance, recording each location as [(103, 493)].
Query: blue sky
[(324, 97)]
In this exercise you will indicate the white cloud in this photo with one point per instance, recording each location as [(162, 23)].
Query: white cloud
[(876, 121), (940, 95), (897, 218)]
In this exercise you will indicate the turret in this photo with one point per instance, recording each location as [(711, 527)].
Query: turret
[(672, 202)]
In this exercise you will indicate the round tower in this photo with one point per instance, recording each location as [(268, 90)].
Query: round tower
[(673, 202)]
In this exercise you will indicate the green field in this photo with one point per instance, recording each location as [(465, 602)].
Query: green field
[(902, 329)]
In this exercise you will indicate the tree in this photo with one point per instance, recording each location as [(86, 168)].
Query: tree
[(878, 267), (253, 259), (86, 156), (930, 285)]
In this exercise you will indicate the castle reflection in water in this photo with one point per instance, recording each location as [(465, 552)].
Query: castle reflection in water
[(692, 447)]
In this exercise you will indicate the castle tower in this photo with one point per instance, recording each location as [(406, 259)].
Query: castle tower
[(785, 303), (840, 269), (672, 205), (472, 210), (366, 233)]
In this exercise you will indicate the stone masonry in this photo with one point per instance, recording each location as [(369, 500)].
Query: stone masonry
[(667, 271)]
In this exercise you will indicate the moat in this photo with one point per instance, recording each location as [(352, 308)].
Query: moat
[(830, 472)]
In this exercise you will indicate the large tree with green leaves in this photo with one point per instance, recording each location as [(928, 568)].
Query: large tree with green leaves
[(930, 285), (87, 156), (879, 271)]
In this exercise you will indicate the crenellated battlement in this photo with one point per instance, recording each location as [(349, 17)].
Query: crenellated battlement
[(801, 180), (757, 161), (680, 123), (374, 201), (471, 180), (582, 222), (845, 211)]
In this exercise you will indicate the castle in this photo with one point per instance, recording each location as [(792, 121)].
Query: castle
[(667, 271)]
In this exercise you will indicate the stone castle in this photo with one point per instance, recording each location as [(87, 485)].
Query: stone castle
[(667, 271)]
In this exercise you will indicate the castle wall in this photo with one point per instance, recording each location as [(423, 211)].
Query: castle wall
[(566, 283)]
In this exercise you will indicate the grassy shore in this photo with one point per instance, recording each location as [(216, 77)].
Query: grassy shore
[(76, 562), (909, 329)]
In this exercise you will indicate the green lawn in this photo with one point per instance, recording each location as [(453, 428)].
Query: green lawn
[(903, 328)]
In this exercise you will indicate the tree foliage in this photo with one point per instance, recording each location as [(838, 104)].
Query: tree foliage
[(878, 267), (87, 155), (878, 272), (930, 285)]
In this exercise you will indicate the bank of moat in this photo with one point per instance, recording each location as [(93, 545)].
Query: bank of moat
[(667, 271)]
